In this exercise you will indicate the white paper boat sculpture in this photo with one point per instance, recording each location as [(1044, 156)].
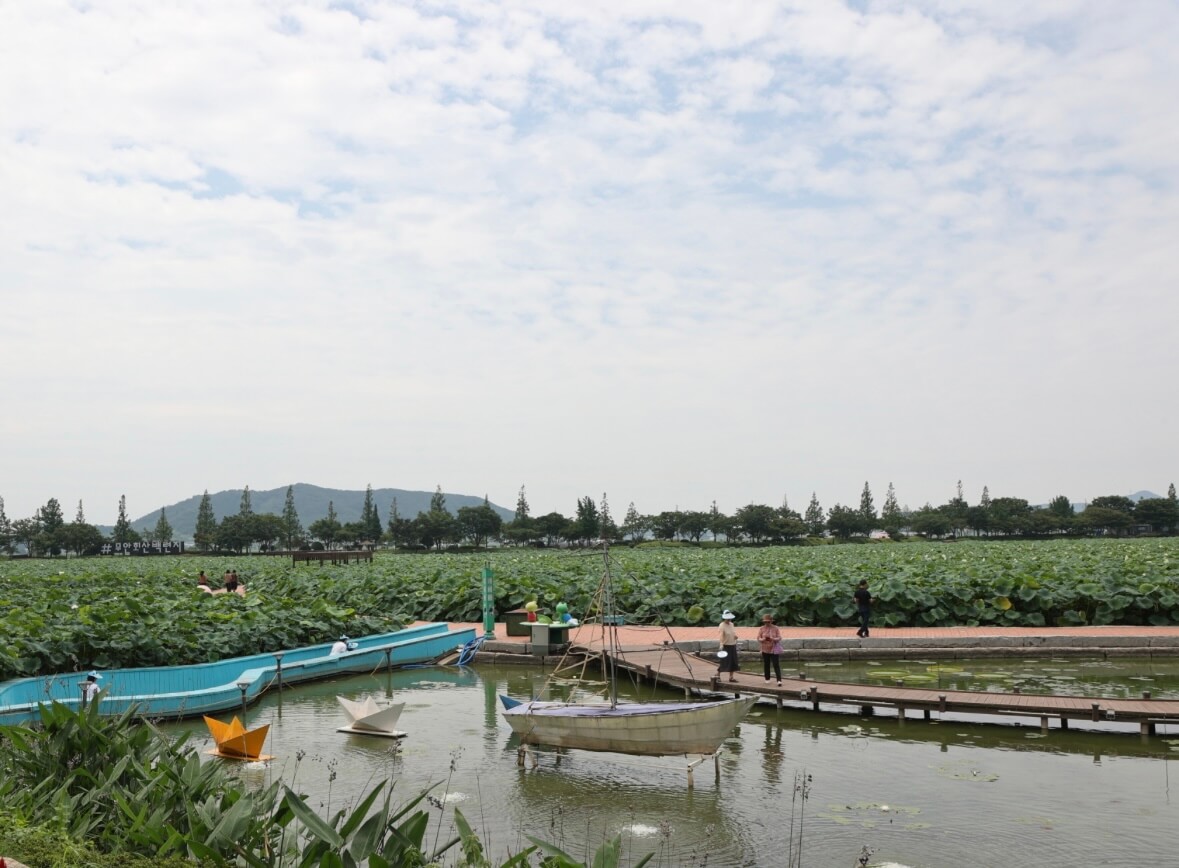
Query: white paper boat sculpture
[(368, 718)]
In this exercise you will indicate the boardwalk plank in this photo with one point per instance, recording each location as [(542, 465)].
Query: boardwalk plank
[(680, 669)]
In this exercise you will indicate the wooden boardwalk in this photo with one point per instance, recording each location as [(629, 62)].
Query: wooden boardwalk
[(668, 666), (334, 556)]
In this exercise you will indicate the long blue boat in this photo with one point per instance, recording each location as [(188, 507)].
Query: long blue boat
[(189, 691)]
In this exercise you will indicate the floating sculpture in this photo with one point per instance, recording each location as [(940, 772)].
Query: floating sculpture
[(368, 718), (236, 742)]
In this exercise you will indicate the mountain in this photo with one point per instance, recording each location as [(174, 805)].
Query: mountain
[(311, 502), (1136, 496), (1080, 507)]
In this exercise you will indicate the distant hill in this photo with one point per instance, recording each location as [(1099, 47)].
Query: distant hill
[(1136, 496), (311, 502), (1080, 506)]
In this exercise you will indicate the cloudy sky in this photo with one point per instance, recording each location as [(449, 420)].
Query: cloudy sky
[(675, 252)]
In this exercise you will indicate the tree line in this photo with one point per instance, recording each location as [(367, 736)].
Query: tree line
[(47, 532)]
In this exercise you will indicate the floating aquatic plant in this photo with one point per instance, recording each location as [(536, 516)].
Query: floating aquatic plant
[(964, 771)]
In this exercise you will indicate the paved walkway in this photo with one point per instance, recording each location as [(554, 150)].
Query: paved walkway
[(1120, 639)]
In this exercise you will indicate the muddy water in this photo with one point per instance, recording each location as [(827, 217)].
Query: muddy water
[(944, 793)]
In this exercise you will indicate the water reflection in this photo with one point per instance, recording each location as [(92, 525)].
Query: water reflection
[(1115, 678), (952, 790)]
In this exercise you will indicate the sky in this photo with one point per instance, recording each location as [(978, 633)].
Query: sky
[(674, 253)]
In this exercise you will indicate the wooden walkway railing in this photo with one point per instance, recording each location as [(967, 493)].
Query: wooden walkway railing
[(671, 667), (335, 557)]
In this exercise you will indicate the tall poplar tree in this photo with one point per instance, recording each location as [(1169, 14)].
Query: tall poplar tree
[(716, 522), (891, 519), (328, 528), (292, 529), (79, 516), (122, 532), (5, 530), (52, 523), (246, 507), (588, 522), (205, 532), (521, 507), (400, 529), (370, 519), (867, 509), (163, 531), (634, 525), (607, 525), (816, 521)]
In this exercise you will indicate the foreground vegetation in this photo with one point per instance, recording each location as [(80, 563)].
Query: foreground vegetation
[(144, 611), (83, 790)]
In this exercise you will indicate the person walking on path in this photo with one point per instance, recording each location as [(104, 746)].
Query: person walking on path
[(90, 688), (863, 598), (728, 644), (769, 639)]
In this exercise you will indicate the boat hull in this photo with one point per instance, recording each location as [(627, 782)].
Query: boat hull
[(191, 691), (651, 729)]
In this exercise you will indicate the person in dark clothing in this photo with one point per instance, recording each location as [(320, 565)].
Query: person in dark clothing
[(863, 600)]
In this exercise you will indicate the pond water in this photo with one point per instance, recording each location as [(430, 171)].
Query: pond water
[(1115, 678), (918, 794)]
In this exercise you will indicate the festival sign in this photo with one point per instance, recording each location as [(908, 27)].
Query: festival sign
[(155, 547)]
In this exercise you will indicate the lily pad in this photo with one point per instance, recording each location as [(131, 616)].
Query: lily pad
[(966, 772)]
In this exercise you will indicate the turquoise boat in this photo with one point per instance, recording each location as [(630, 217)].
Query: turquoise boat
[(189, 691)]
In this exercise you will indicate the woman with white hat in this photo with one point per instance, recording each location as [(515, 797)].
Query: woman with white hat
[(90, 687), (728, 644)]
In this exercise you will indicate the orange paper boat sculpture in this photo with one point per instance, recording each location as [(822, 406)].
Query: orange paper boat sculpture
[(234, 741)]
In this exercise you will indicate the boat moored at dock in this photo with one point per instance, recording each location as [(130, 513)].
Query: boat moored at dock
[(190, 691)]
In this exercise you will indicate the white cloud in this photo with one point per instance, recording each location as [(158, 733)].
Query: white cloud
[(671, 250)]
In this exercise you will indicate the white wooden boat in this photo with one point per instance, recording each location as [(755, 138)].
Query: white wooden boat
[(368, 718), (645, 729)]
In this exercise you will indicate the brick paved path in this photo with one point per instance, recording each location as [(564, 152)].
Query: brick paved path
[(882, 637)]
